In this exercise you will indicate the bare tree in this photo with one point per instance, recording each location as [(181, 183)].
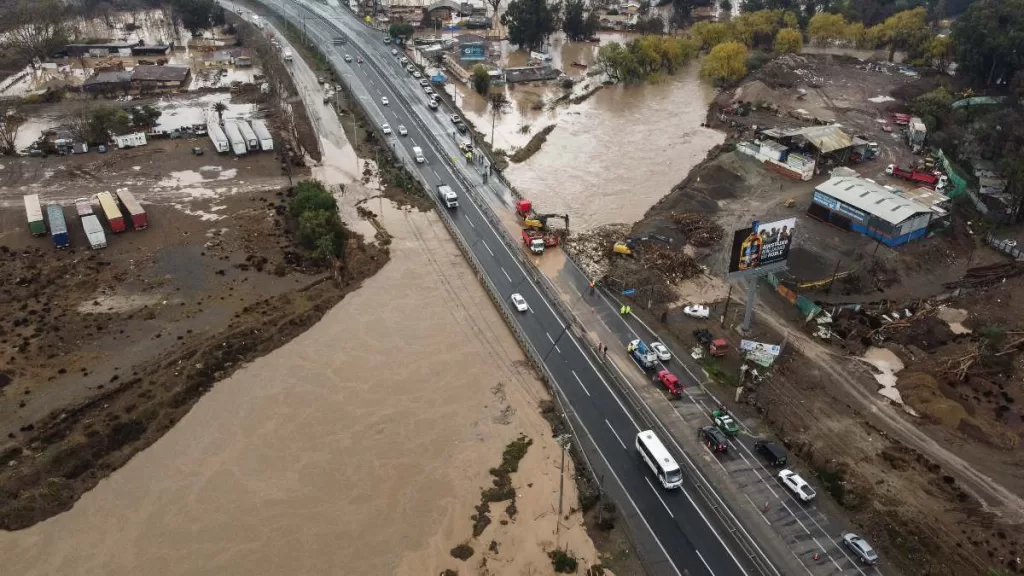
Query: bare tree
[(495, 20), (34, 28), (499, 104), (10, 123)]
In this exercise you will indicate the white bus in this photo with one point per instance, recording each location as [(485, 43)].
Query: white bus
[(659, 460)]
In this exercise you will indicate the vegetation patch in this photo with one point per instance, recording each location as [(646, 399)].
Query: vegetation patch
[(563, 562), (315, 221), (462, 552), (533, 146)]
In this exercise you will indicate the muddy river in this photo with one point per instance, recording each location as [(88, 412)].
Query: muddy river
[(611, 157), (357, 448)]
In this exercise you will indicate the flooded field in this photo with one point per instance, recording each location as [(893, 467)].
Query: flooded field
[(355, 448), (611, 157)]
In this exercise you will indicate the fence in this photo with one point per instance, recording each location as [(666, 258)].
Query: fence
[(959, 182), (1008, 247)]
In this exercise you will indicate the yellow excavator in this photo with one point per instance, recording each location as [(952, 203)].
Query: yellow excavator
[(540, 221), (628, 246)]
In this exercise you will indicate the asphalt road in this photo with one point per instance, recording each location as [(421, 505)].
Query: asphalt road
[(673, 533)]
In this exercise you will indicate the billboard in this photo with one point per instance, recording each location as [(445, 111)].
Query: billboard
[(472, 51), (761, 245)]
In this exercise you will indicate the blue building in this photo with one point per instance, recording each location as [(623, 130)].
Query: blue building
[(862, 206)]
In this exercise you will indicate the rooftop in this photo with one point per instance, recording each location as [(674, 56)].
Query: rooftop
[(824, 138), (872, 198), (111, 77), (160, 73)]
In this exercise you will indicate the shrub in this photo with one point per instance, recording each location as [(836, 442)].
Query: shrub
[(563, 562)]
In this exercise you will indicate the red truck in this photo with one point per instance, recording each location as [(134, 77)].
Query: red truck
[(930, 179), (900, 119), (534, 240)]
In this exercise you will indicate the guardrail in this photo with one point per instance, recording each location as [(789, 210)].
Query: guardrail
[(534, 357)]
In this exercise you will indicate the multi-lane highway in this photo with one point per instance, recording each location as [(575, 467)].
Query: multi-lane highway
[(675, 531)]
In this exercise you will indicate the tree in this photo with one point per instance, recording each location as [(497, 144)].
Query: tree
[(145, 116), (322, 233), (933, 107), (825, 28), (576, 22), (531, 22), (642, 57), (988, 44), (219, 108), (788, 41), (10, 123), (726, 63), (645, 7), (401, 31), (481, 79), (759, 28), (907, 30), (311, 195), (34, 28), (939, 52), (499, 104), (652, 24), (197, 15), (710, 34)]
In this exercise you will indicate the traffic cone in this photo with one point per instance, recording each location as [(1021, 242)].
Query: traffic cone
[(815, 557)]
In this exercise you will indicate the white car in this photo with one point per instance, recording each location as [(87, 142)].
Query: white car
[(404, 60), (417, 75), (428, 90), (386, 128), (797, 485), (697, 311), (394, 52), (402, 130), (433, 104), (384, 100), (519, 302), (455, 118), (661, 351), (424, 83), (410, 68), (348, 58)]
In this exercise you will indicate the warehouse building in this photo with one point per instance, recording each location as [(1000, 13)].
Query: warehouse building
[(862, 206)]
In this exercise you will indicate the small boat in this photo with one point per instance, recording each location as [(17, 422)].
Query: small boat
[(579, 64)]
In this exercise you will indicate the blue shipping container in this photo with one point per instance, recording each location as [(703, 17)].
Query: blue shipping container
[(58, 226)]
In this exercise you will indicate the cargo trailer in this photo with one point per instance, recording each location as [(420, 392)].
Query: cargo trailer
[(83, 206), (266, 140), (111, 211), (235, 138), (94, 232), (219, 139), (139, 218), (251, 141), (58, 226), (34, 211)]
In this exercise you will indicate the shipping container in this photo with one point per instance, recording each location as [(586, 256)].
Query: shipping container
[(251, 141), (58, 226), (139, 218), (266, 140), (110, 210), (34, 211), (217, 136), (94, 232), (235, 138), (130, 140), (83, 206)]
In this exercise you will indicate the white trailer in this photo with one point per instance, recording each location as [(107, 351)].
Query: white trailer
[(235, 138), (94, 231), (251, 141), (266, 140), (220, 141), (130, 140)]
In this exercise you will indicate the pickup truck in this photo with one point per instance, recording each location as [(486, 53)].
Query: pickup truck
[(448, 196), (641, 354), (533, 240)]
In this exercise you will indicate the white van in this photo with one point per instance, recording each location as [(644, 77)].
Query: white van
[(658, 459), (417, 153)]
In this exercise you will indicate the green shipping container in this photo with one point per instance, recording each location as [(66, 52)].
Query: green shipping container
[(34, 211)]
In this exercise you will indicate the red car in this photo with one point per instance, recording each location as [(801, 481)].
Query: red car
[(670, 382)]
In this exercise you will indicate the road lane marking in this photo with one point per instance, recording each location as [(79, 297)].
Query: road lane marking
[(710, 571), (470, 220), (609, 424), (658, 496), (587, 391), (630, 498), (713, 531), (436, 174), (758, 510), (484, 242), (510, 280), (549, 338)]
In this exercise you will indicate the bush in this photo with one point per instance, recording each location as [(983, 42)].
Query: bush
[(318, 226), (481, 79), (563, 562), (726, 64), (788, 41)]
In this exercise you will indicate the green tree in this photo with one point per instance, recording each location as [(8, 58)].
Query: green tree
[(939, 52), (575, 21), (531, 22), (824, 28), (401, 30), (322, 233), (726, 63), (145, 116), (907, 30), (933, 107), (652, 24), (710, 34), (759, 28), (220, 108), (988, 42), (197, 15), (788, 41), (481, 79), (311, 195)]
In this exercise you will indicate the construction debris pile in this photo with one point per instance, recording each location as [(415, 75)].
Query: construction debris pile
[(985, 276), (592, 249), (672, 263), (655, 262), (699, 230)]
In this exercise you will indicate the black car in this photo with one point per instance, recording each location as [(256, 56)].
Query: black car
[(714, 439), (461, 127), (773, 454)]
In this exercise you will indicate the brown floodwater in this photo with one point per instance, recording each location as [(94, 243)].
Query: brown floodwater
[(358, 448), (611, 157)]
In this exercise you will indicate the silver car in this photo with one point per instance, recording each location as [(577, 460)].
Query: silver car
[(860, 548)]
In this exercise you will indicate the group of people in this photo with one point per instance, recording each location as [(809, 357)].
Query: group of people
[(624, 310)]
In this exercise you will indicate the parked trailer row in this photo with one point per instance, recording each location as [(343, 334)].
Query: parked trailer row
[(111, 212), (266, 140), (139, 219), (235, 138), (217, 136), (34, 212), (94, 231), (251, 141)]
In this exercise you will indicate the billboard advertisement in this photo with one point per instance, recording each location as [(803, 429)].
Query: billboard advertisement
[(472, 51), (761, 245)]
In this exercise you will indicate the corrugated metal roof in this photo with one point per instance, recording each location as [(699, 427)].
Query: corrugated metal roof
[(824, 138), (872, 198)]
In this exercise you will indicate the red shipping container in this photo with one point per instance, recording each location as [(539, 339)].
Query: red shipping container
[(139, 218)]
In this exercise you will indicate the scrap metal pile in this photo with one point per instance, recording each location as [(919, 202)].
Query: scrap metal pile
[(985, 276), (698, 229), (671, 262)]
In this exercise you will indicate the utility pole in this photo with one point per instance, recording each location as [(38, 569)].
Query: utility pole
[(728, 297)]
